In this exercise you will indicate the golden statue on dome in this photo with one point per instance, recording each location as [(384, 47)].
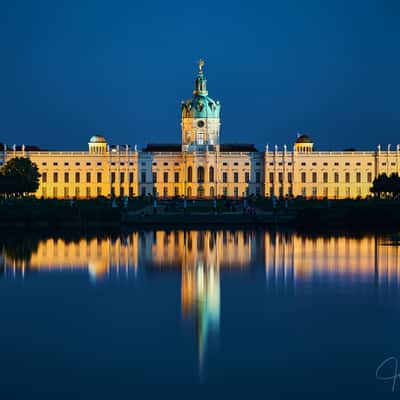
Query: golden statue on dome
[(201, 65)]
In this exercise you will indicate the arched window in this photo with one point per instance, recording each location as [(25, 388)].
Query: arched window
[(189, 192), (200, 191), (200, 174), (212, 192), (189, 174), (211, 174)]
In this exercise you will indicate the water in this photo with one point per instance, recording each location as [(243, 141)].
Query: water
[(199, 314)]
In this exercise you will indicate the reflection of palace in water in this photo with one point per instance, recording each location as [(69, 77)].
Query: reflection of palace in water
[(290, 260)]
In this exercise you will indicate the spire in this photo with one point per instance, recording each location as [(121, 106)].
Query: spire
[(201, 82)]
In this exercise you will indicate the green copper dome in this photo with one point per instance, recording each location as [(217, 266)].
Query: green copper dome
[(201, 105)]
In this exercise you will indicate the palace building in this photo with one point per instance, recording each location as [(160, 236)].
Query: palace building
[(202, 166)]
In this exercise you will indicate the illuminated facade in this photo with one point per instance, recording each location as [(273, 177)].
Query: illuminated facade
[(203, 167)]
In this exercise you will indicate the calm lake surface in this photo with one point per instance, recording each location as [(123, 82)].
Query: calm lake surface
[(199, 314)]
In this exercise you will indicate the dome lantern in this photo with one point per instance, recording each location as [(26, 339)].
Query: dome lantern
[(97, 144), (303, 144)]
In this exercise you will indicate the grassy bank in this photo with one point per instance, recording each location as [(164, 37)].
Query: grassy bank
[(303, 214)]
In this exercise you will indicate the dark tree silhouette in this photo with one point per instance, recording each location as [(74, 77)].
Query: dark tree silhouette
[(19, 176), (386, 186)]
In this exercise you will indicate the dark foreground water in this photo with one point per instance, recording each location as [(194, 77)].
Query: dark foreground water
[(200, 314)]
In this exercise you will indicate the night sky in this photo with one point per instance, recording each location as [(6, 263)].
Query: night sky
[(70, 69)]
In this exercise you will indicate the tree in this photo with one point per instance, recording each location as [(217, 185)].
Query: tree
[(19, 176), (386, 186)]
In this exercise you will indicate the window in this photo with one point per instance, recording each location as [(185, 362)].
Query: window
[(336, 164), (88, 163), (280, 177), (55, 193), (165, 177), (225, 164), (236, 192), (131, 192), (212, 192), (358, 177), (271, 177), (99, 164), (88, 177), (246, 163), (200, 138), (314, 163), (358, 163), (325, 192), (66, 164), (165, 164), (190, 174), (303, 177), (99, 177), (154, 163), (258, 177), (200, 174), (66, 177), (88, 192), (325, 177), (347, 164), (247, 177), (176, 164), (77, 192), (130, 177), (289, 176), (99, 191), (336, 177), (176, 177), (314, 177), (122, 177), (211, 174), (303, 164), (325, 164), (112, 177), (225, 191), (77, 177), (235, 177), (154, 177), (44, 163), (165, 191), (143, 180), (44, 177), (224, 177), (176, 191), (55, 163), (314, 191), (121, 192), (369, 164), (347, 177), (55, 177), (66, 194), (77, 163), (236, 163), (303, 191), (369, 177)]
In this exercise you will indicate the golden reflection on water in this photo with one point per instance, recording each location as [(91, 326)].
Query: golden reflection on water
[(287, 259)]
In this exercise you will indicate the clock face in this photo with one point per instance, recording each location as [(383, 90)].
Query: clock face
[(200, 124)]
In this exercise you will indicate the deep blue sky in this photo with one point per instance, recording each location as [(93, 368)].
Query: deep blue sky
[(69, 69)]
